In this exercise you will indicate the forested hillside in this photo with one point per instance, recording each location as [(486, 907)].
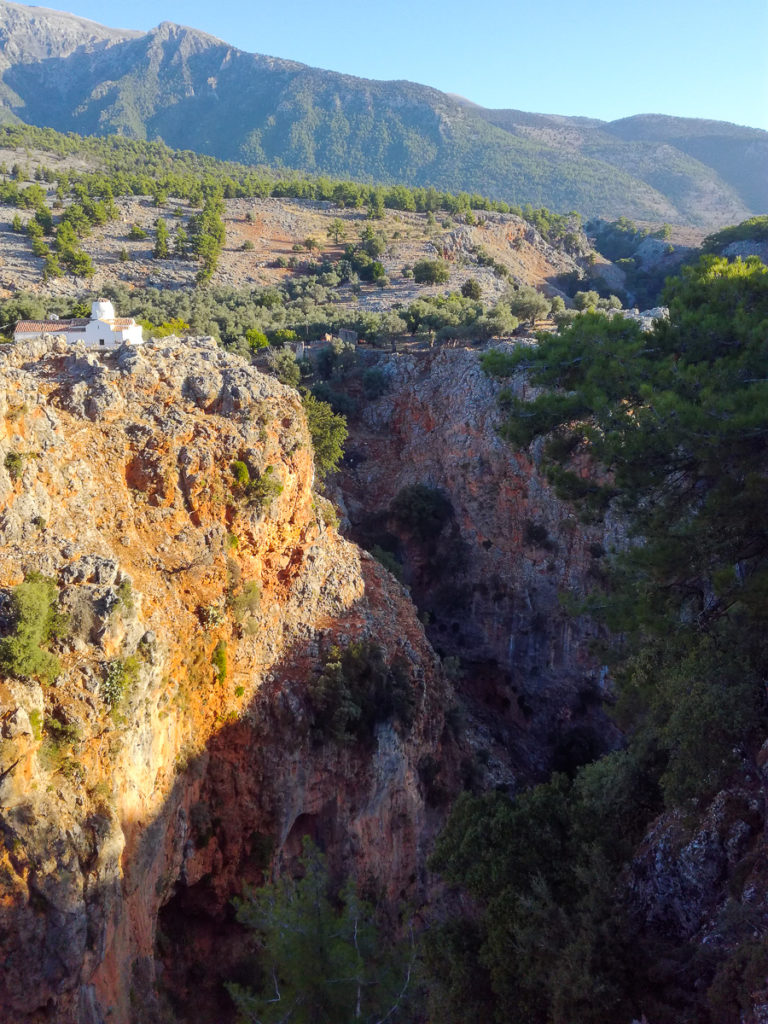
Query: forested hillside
[(149, 226), (197, 92)]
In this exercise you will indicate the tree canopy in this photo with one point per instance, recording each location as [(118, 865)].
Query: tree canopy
[(329, 432), (322, 960)]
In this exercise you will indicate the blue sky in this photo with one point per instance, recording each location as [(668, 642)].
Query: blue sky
[(602, 58)]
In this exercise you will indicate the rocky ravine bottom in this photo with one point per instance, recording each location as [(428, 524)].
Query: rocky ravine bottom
[(174, 750)]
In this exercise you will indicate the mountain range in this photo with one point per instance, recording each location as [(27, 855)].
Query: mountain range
[(196, 92)]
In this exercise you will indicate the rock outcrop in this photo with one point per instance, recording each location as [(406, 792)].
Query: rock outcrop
[(697, 895), (174, 754)]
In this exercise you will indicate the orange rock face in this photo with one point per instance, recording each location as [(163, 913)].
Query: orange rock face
[(491, 579), (175, 747)]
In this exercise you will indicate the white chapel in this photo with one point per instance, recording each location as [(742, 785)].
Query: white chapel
[(102, 330)]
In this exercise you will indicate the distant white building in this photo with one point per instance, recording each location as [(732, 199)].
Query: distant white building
[(101, 330)]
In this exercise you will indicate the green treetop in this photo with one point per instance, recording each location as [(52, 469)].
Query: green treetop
[(322, 960)]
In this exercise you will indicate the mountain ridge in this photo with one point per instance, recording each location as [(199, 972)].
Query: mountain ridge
[(197, 92)]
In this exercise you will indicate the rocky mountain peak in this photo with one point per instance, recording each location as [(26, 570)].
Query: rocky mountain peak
[(31, 34), (172, 30)]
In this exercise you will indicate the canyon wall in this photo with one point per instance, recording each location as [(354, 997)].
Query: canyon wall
[(490, 581), (173, 757)]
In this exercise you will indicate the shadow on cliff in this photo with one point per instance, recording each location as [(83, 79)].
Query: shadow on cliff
[(237, 812), (519, 660)]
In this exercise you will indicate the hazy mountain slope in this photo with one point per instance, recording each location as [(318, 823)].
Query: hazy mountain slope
[(738, 154), (705, 168), (33, 36), (197, 92)]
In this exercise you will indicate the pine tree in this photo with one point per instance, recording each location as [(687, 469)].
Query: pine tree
[(323, 960), (162, 235)]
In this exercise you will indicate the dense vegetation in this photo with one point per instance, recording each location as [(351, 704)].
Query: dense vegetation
[(328, 431), (35, 621), (675, 427), (619, 241), (85, 200), (753, 230), (134, 167), (358, 689), (242, 319)]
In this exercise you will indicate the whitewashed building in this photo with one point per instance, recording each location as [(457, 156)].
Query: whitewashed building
[(102, 330)]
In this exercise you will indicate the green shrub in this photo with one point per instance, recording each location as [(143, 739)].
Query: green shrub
[(14, 463), (53, 751), (586, 300), (375, 382), (388, 560), (211, 615), (339, 401), (248, 601), (256, 339), (241, 474), (536, 534), (72, 770), (430, 272), (219, 660), (264, 489), (112, 684), (356, 690), (175, 326), (329, 432), (125, 594), (285, 368), (36, 621), (326, 948), (282, 336), (327, 511), (36, 721), (740, 974), (119, 677), (499, 364)]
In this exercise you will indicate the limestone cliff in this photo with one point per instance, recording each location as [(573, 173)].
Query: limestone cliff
[(490, 582), (173, 753)]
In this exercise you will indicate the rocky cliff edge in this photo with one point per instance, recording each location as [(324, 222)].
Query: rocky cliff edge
[(174, 750)]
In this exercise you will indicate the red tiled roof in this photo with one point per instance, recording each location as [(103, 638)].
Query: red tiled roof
[(60, 326), (47, 326)]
